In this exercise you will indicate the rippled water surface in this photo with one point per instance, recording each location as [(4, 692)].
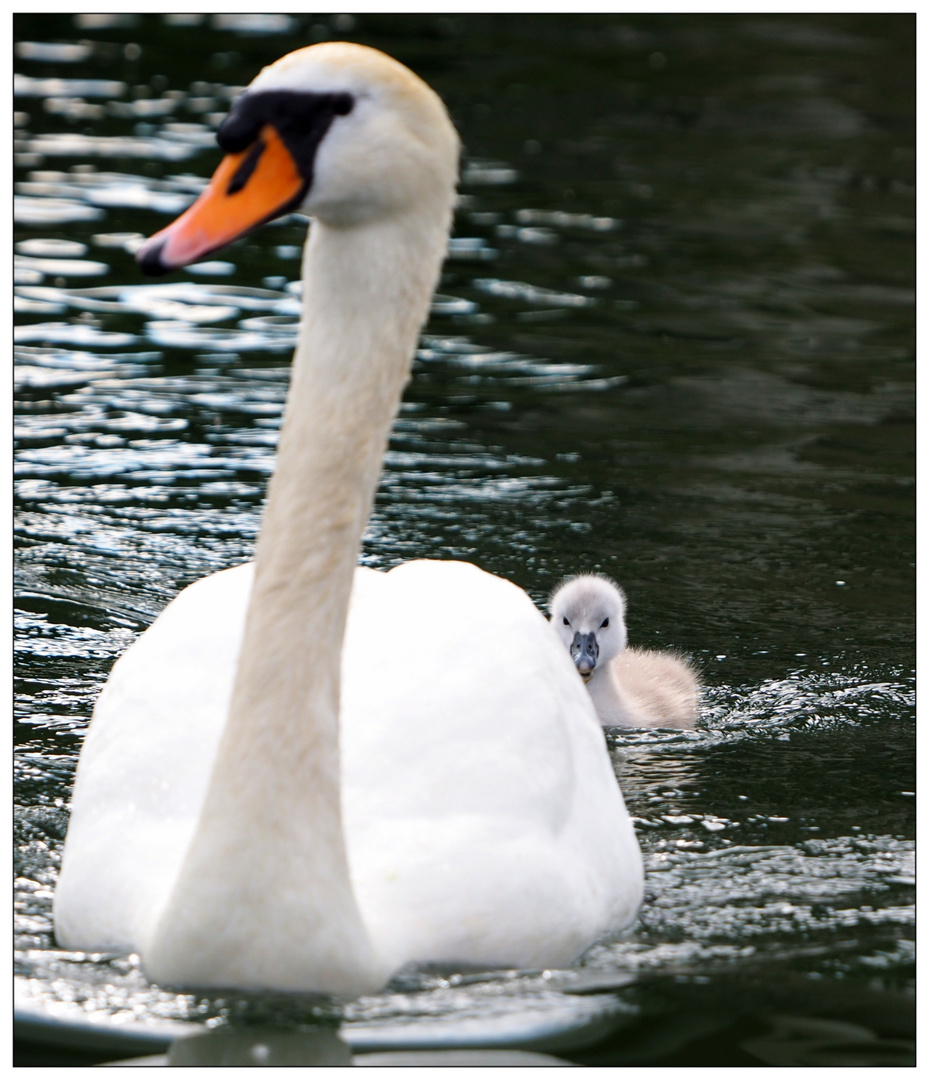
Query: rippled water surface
[(674, 342)]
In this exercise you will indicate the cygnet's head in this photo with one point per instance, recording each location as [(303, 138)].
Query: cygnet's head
[(338, 131), (589, 615)]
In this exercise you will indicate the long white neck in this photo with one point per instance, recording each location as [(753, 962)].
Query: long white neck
[(264, 896)]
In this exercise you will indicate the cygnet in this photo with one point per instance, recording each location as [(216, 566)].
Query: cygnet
[(629, 687)]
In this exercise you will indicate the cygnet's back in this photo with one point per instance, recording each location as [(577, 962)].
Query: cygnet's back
[(661, 688), (629, 687)]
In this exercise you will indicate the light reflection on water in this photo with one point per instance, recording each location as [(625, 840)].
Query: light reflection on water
[(685, 361)]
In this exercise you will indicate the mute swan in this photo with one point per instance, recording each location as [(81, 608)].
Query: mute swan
[(229, 823), (629, 687)]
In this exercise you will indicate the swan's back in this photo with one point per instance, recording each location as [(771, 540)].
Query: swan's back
[(483, 817)]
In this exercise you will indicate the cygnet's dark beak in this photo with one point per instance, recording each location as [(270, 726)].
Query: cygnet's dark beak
[(584, 653)]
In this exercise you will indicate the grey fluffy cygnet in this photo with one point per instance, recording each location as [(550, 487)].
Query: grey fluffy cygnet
[(629, 687)]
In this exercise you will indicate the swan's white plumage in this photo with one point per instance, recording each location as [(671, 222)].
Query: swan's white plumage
[(145, 764), (466, 796), (525, 849), (465, 768)]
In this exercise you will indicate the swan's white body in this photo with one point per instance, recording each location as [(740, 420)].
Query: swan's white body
[(629, 687), (231, 821), (482, 820)]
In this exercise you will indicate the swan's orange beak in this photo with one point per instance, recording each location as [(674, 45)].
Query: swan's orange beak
[(252, 187)]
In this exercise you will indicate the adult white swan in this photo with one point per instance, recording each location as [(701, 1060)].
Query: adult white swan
[(474, 815)]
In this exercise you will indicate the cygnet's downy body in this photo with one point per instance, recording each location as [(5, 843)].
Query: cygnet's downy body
[(629, 687)]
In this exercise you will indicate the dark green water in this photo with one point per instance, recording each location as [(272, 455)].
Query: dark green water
[(675, 342)]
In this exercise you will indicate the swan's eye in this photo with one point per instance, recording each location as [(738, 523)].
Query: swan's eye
[(565, 621), (604, 624)]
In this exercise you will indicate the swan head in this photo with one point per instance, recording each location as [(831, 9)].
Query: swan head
[(588, 613), (338, 131)]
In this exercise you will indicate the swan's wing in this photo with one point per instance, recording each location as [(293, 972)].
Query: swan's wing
[(482, 815), (145, 764)]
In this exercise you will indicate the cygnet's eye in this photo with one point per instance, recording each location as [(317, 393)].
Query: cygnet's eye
[(604, 624), (565, 621)]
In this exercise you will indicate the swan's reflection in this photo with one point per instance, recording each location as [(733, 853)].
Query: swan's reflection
[(316, 1045), (320, 1046)]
